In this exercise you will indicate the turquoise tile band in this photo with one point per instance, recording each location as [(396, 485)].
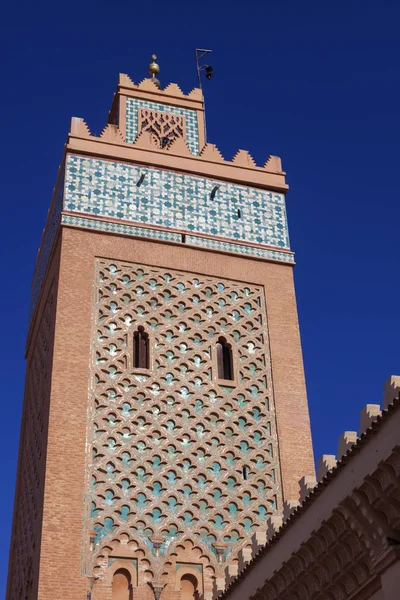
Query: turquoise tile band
[(240, 249), (120, 228), (156, 234), (175, 200), (170, 200)]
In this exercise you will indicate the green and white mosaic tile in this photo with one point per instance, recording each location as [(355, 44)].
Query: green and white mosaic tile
[(178, 201), (97, 225), (170, 200), (239, 249)]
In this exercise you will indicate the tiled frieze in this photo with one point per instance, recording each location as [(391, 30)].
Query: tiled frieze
[(121, 228), (239, 249), (179, 201), (172, 450), (133, 106), (167, 199), (157, 234)]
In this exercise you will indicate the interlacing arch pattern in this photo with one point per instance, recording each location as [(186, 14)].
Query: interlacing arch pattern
[(168, 445), (147, 567)]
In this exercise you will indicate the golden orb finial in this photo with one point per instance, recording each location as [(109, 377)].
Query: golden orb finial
[(154, 68)]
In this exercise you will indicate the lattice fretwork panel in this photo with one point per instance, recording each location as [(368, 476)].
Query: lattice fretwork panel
[(172, 449), (164, 127)]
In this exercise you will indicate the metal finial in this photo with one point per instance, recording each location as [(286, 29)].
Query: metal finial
[(154, 68)]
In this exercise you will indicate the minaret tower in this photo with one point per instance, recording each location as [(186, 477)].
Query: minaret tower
[(165, 416)]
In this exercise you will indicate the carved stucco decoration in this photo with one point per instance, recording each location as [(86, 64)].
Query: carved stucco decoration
[(346, 552), (164, 127)]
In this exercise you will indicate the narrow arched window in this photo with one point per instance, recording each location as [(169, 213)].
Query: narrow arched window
[(121, 585), (224, 359), (141, 359), (189, 587)]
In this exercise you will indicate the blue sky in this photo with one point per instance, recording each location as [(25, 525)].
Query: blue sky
[(316, 83)]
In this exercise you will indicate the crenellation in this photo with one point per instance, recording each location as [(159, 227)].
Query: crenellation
[(274, 523), (307, 483), (289, 506), (196, 94), (219, 586), (243, 158), (79, 127), (125, 81), (209, 152), (112, 134), (326, 463), (148, 85), (391, 390), (173, 89), (244, 557), (346, 442), (273, 164), (368, 415), (231, 572), (212, 153), (258, 541)]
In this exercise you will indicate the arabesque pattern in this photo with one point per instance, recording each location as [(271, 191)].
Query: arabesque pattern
[(164, 126), (172, 450), (134, 106)]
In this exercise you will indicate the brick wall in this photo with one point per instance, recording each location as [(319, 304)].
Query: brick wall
[(61, 569), (28, 506)]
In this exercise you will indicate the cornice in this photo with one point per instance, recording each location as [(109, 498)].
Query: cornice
[(301, 512), (210, 163)]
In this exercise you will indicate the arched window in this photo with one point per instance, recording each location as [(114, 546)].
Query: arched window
[(189, 589), (141, 359), (121, 585), (224, 359)]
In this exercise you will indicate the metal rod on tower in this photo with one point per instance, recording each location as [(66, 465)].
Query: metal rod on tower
[(200, 52)]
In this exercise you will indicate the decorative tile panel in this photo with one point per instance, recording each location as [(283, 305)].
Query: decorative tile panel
[(133, 106), (171, 450), (239, 249), (168, 199), (121, 228), (156, 234)]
